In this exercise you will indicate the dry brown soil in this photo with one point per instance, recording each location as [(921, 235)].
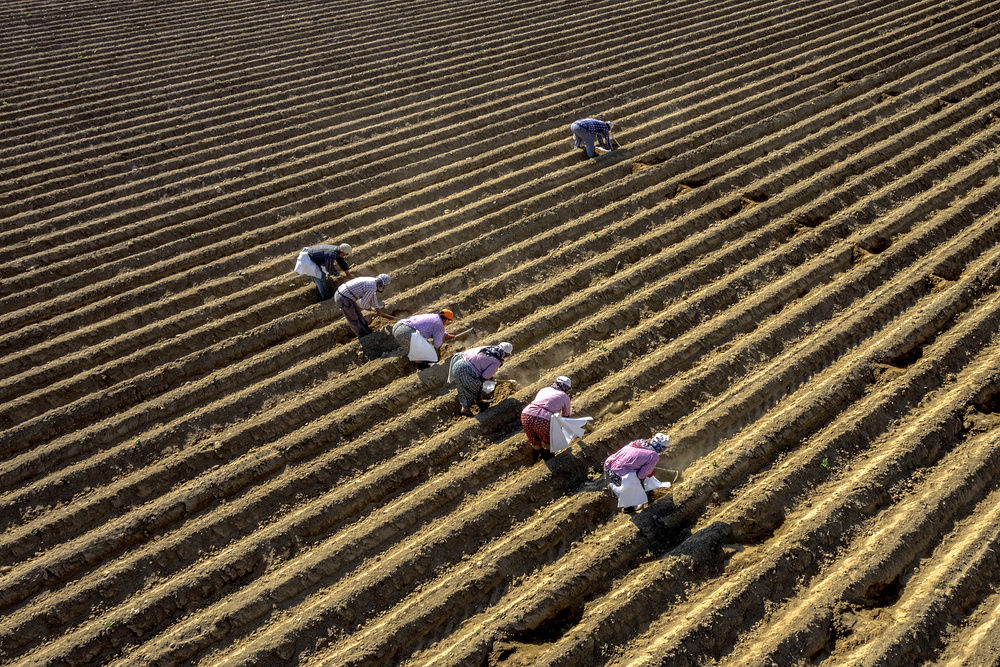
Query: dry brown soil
[(791, 265)]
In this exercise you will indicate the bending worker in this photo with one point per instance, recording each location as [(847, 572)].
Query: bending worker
[(470, 368), (428, 325), (589, 131), (360, 294), (327, 258), (537, 416), (638, 456)]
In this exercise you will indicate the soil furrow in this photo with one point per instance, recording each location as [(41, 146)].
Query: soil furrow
[(792, 553)]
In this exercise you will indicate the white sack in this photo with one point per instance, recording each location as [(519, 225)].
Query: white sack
[(489, 386), (562, 430), (630, 493), (652, 483), (421, 349), (305, 266)]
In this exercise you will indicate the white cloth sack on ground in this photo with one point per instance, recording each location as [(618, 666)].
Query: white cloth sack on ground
[(489, 386), (421, 349), (652, 483), (630, 493), (305, 266), (562, 430)]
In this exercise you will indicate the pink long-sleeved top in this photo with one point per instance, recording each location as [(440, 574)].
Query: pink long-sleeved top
[(429, 325), (633, 458), (549, 401), (484, 365)]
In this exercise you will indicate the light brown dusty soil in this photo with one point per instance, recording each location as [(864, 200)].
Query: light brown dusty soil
[(791, 265)]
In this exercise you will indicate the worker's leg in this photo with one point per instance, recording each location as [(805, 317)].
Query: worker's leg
[(355, 318), (324, 288), (580, 134)]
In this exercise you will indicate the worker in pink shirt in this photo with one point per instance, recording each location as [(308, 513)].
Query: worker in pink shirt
[(638, 456), (537, 416), (470, 368)]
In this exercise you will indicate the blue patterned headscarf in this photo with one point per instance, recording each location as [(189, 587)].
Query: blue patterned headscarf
[(494, 351), (659, 442)]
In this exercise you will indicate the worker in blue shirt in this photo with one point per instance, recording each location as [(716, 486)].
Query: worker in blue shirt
[(326, 259), (589, 131)]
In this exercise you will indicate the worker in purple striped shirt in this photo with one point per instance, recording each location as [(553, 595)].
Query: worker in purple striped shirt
[(360, 294), (591, 131)]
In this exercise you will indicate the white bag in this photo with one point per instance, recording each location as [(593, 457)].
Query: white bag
[(421, 349), (562, 430), (630, 493), (306, 267), (651, 483), (489, 386)]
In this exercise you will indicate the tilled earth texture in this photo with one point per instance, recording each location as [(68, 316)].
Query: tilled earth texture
[(791, 265)]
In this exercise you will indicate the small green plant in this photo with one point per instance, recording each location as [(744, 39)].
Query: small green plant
[(825, 463)]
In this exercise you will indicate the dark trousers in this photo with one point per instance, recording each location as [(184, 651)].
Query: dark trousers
[(353, 315)]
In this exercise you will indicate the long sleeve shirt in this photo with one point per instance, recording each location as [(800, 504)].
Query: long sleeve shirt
[(362, 291), (551, 401), (428, 325), (599, 129), (633, 458), (484, 365), (327, 257)]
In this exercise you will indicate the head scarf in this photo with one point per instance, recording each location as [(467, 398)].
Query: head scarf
[(344, 248), (658, 442), (382, 279), (562, 383), (495, 351)]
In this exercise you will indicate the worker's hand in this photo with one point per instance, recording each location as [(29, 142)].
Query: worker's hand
[(350, 276), (379, 311), (449, 337)]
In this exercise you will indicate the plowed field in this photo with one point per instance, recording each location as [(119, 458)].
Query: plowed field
[(791, 265)]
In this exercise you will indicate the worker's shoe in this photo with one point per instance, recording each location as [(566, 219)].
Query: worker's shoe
[(466, 411)]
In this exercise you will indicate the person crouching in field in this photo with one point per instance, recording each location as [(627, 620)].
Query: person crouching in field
[(589, 131), (320, 262), (537, 416), (428, 325), (360, 294), (470, 368), (638, 456)]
